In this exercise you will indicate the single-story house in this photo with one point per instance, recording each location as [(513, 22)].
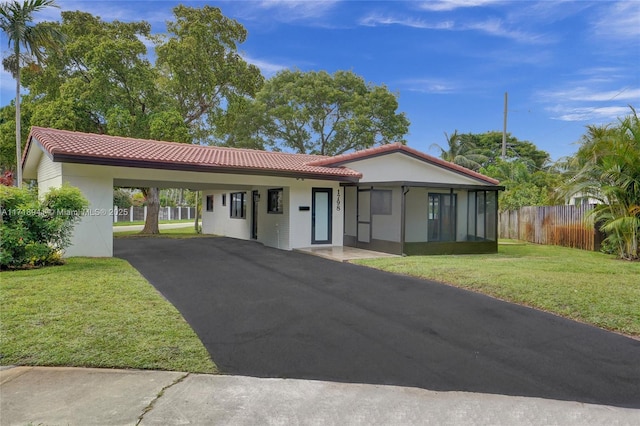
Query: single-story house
[(390, 198)]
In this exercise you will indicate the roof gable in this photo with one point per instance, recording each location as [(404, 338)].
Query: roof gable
[(354, 157)]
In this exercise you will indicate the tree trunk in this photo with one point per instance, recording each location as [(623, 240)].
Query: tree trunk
[(18, 130), (153, 211)]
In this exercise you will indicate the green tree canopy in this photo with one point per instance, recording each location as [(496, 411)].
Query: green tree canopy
[(103, 81), (316, 113), (489, 144), (201, 69), (607, 168), (462, 150)]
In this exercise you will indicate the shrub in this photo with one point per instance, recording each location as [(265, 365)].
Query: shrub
[(122, 198), (33, 232)]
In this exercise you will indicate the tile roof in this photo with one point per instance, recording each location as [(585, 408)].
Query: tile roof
[(65, 145), (399, 147)]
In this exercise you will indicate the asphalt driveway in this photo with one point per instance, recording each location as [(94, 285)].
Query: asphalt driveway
[(269, 313)]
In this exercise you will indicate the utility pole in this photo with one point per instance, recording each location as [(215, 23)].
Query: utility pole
[(504, 128)]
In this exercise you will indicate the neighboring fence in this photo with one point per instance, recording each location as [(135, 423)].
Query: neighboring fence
[(567, 226), (133, 214)]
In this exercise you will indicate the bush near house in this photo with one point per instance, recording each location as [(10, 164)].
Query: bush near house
[(35, 232)]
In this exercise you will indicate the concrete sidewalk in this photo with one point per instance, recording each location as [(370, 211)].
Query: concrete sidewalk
[(79, 396)]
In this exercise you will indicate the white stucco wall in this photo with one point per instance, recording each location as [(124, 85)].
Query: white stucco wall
[(300, 221), (287, 230), (49, 175), (93, 236), (350, 211), (273, 228)]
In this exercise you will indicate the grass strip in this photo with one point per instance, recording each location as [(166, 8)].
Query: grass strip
[(94, 313), (585, 286), (162, 222), (186, 232)]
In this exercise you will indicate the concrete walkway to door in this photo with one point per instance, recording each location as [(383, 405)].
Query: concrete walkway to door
[(265, 312)]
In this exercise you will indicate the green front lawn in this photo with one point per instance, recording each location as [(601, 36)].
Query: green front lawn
[(585, 286), (93, 313), (141, 222), (186, 232)]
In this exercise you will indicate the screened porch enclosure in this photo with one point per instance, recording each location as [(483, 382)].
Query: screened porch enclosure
[(415, 220)]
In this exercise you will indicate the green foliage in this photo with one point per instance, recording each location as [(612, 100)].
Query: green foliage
[(522, 187), (490, 145), (200, 66), (122, 198), (462, 150), (33, 232), (607, 168), (316, 113)]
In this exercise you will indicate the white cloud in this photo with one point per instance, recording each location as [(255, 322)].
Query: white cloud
[(268, 68), (596, 115), (497, 28), (374, 20), (430, 85), (586, 94), (582, 103), (448, 5), (493, 27), (294, 10), (619, 20)]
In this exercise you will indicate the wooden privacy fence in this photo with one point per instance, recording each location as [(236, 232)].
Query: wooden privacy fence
[(568, 226)]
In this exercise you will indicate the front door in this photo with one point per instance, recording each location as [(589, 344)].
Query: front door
[(321, 215), (255, 197)]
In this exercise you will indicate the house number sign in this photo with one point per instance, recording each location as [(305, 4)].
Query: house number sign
[(338, 201)]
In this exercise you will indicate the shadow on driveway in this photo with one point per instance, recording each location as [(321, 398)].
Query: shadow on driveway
[(270, 313)]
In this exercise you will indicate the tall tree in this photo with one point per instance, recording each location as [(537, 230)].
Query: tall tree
[(201, 68), (489, 144), (29, 42), (103, 81), (317, 113), (607, 168), (461, 150)]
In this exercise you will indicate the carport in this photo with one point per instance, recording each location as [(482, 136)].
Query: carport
[(97, 163)]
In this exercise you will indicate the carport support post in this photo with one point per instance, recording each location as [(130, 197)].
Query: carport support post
[(403, 218)]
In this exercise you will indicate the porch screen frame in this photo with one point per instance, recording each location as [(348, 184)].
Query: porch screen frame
[(437, 200)]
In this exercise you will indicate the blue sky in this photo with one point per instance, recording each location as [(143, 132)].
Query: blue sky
[(565, 64)]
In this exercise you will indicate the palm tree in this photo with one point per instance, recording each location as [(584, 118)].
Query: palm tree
[(15, 22), (462, 151), (609, 171)]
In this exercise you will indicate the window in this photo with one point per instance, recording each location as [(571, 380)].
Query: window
[(224, 199), (275, 202), (209, 203), (381, 201), (441, 217), (238, 207)]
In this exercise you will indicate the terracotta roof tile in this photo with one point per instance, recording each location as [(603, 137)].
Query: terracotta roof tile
[(398, 147), (91, 147)]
